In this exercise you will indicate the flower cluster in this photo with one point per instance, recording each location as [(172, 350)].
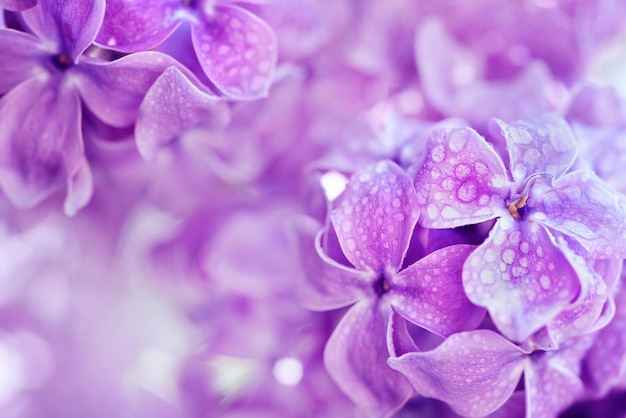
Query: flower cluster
[(296, 208)]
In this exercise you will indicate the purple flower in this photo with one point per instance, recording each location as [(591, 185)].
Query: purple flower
[(530, 268), (476, 372), (46, 77), (236, 49), (17, 5), (374, 219)]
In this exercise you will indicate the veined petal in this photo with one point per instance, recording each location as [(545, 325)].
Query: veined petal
[(237, 51), (132, 26), (584, 207), (430, 292), (20, 54), (17, 5), (326, 284), (542, 145), (521, 277), (374, 217), (73, 24), (40, 140), (462, 181), (474, 372), (356, 358), (113, 91), (172, 105)]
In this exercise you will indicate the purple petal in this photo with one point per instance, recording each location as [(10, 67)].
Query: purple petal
[(113, 91), (326, 284), (474, 372), (399, 340), (20, 54), (79, 189), (40, 140), (462, 181), (131, 26), (572, 207), (542, 145), (374, 217), (237, 51), (356, 358), (17, 5), (73, 24), (172, 105), (430, 293), (521, 277), (552, 379)]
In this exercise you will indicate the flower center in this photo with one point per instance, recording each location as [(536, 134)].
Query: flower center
[(62, 61), (517, 204), (381, 286)]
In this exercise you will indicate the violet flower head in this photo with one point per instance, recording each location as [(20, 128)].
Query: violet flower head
[(237, 50), (527, 271), (374, 219)]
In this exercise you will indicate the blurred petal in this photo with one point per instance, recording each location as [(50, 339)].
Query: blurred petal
[(132, 26), (326, 284), (73, 24), (113, 91), (237, 51), (40, 140), (19, 53), (572, 207), (542, 145), (430, 293), (79, 189), (356, 358), (17, 5), (521, 277), (462, 180), (474, 372), (374, 217), (172, 105)]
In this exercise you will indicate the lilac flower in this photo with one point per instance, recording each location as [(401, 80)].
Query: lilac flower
[(46, 77), (527, 271), (476, 372), (374, 219), (236, 49)]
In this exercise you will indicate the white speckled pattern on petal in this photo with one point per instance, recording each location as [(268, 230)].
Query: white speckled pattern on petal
[(521, 277), (430, 292), (374, 217), (462, 181), (474, 372), (543, 145), (237, 51)]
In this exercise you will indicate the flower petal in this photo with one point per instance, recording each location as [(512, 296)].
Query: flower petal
[(399, 341), (521, 277), (572, 207), (73, 24), (79, 189), (325, 283), (40, 140), (374, 217), (132, 26), (172, 105), (474, 372), (113, 91), (356, 358), (541, 145), (17, 5), (237, 51), (462, 180), (19, 53), (430, 293)]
